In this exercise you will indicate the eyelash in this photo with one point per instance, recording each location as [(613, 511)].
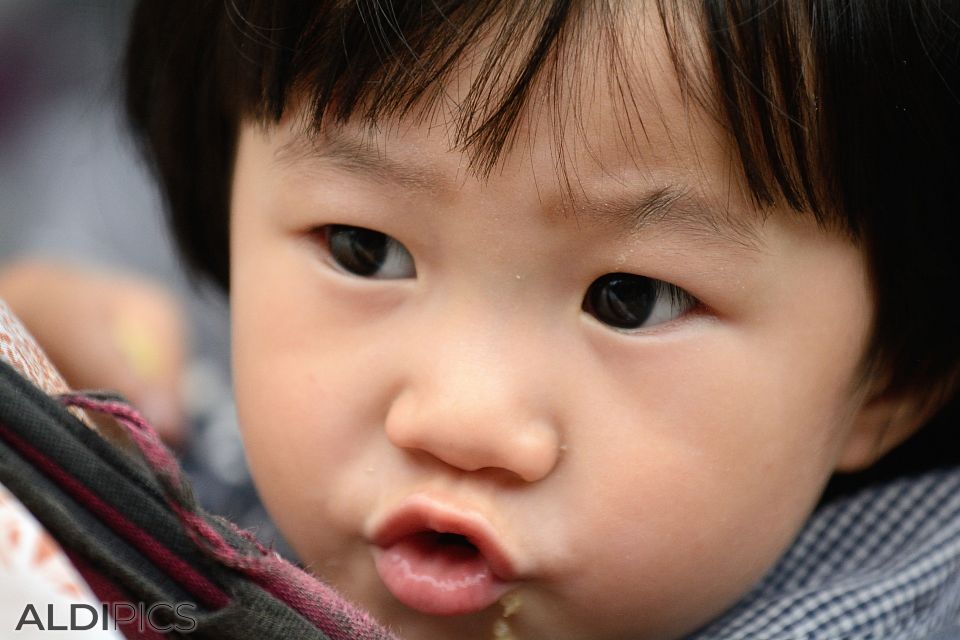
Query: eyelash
[(679, 297)]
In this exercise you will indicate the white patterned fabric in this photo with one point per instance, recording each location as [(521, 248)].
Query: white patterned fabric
[(33, 568), (35, 572)]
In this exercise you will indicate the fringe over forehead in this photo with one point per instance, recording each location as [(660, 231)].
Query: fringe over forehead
[(376, 61)]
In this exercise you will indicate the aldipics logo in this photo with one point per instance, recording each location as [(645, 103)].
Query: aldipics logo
[(161, 617)]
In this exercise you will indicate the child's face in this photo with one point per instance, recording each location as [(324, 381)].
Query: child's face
[(622, 482)]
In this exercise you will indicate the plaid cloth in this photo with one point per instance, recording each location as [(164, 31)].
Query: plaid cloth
[(882, 564)]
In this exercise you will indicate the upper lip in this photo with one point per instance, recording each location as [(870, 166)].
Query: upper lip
[(419, 514)]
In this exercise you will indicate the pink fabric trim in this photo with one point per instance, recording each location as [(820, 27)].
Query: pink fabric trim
[(313, 599)]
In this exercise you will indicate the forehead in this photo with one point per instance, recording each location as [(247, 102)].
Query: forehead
[(608, 132), (609, 95), (656, 197)]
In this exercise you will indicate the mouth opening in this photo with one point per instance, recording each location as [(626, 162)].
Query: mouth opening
[(452, 545)]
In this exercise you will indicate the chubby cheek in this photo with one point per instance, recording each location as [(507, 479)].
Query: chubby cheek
[(702, 472), (296, 382)]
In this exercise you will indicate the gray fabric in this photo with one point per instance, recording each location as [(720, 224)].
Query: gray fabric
[(116, 477), (80, 532), (251, 614), (953, 633)]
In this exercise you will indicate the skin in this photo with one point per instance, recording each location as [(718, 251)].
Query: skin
[(641, 481), (106, 330)]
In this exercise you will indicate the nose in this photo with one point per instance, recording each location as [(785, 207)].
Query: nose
[(476, 407)]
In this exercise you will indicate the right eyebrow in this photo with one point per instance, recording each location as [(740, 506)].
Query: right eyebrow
[(353, 154)]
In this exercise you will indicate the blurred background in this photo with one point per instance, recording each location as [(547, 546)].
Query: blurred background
[(73, 191)]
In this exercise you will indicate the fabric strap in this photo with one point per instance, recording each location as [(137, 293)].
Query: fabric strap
[(133, 527)]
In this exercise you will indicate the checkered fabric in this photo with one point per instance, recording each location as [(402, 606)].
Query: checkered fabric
[(883, 564)]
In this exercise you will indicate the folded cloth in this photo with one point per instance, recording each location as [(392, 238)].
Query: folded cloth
[(133, 529), (34, 570)]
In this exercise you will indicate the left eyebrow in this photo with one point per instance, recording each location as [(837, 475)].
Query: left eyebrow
[(673, 208)]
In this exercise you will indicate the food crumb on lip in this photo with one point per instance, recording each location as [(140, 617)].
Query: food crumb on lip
[(501, 630), (511, 603)]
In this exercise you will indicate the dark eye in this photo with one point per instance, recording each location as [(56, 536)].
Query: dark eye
[(629, 301), (367, 253)]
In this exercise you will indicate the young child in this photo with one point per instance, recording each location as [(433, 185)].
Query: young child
[(554, 320)]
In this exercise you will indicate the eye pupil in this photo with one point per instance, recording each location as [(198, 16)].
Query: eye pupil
[(621, 300), (358, 250)]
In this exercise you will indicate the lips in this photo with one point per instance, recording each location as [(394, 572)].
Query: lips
[(440, 561)]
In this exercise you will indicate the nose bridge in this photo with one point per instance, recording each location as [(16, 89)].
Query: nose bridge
[(472, 397)]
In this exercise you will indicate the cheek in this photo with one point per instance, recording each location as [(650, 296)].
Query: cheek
[(707, 462), (299, 381)]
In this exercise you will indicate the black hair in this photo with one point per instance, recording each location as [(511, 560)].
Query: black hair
[(847, 110)]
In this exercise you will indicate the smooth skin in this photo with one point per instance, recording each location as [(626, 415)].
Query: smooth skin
[(106, 330)]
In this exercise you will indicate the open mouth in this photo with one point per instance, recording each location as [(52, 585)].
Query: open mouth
[(448, 544), (439, 569), (445, 553)]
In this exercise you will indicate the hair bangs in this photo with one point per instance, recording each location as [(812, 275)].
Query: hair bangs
[(751, 68)]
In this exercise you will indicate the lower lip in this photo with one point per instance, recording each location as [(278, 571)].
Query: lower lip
[(438, 579)]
